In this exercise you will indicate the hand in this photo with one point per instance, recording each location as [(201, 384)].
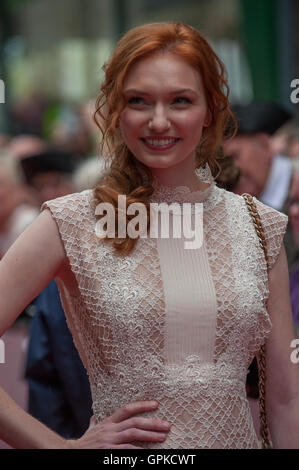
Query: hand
[(122, 427)]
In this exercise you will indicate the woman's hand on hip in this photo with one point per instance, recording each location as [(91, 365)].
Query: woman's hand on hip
[(122, 428)]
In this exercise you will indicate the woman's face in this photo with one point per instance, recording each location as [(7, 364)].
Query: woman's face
[(165, 110)]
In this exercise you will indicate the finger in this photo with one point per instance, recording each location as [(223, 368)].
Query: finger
[(143, 423), (134, 434), (131, 409), (92, 422)]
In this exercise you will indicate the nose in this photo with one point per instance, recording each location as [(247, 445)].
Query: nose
[(159, 121)]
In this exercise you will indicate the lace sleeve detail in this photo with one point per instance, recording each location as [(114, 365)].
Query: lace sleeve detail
[(71, 214), (274, 225)]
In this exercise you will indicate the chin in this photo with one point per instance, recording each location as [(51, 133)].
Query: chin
[(159, 166), (163, 162), (159, 163)]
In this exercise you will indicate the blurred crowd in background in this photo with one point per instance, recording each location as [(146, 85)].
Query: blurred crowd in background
[(53, 152), (51, 148), (34, 168)]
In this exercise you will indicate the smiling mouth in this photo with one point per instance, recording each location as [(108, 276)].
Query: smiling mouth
[(160, 142)]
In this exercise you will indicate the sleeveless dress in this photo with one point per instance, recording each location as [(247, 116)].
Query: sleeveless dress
[(180, 326)]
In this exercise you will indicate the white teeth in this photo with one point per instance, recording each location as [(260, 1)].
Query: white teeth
[(160, 142)]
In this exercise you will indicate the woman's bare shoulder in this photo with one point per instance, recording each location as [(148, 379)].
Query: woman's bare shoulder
[(44, 231), (36, 257)]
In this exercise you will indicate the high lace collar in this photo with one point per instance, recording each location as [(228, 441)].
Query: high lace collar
[(183, 194)]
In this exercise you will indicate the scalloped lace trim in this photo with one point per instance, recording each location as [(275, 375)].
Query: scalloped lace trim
[(183, 194)]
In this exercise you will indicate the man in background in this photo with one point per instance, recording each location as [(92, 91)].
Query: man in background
[(263, 174), (268, 176)]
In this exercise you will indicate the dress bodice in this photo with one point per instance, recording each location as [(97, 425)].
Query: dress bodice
[(175, 325)]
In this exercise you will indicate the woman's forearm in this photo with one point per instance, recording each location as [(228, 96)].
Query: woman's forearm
[(22, 431)]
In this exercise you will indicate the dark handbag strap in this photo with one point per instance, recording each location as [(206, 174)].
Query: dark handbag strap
[(262, 353)]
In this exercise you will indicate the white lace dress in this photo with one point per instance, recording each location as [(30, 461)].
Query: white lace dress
[(169, 324)]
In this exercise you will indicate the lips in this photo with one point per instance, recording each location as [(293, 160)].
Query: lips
[(160, 143)]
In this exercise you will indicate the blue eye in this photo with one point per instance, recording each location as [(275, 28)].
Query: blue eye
[(136, 100), (181, 100)]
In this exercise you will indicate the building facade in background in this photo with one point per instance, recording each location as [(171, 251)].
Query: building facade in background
[(58, 48)]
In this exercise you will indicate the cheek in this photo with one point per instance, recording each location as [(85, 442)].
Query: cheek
[(192, 123), (247, 161), (130, 122)]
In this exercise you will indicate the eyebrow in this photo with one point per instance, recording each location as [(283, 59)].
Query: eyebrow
[(175, 92)]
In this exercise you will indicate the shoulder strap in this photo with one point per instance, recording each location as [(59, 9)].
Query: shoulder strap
[(262, 355)]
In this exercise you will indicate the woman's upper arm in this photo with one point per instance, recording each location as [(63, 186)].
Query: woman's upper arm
[(282, 375), (28, 266)]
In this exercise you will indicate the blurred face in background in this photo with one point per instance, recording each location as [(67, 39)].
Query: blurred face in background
[(293, 149), (253, 155), (51, 184), (24, 145), (279, 143)]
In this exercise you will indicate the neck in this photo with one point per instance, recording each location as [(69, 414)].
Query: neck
[(182, 174)]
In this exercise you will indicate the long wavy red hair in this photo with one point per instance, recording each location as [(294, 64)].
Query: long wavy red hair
[(126, 174)]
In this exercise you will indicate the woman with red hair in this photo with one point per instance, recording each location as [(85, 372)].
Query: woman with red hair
[(165, 332)]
